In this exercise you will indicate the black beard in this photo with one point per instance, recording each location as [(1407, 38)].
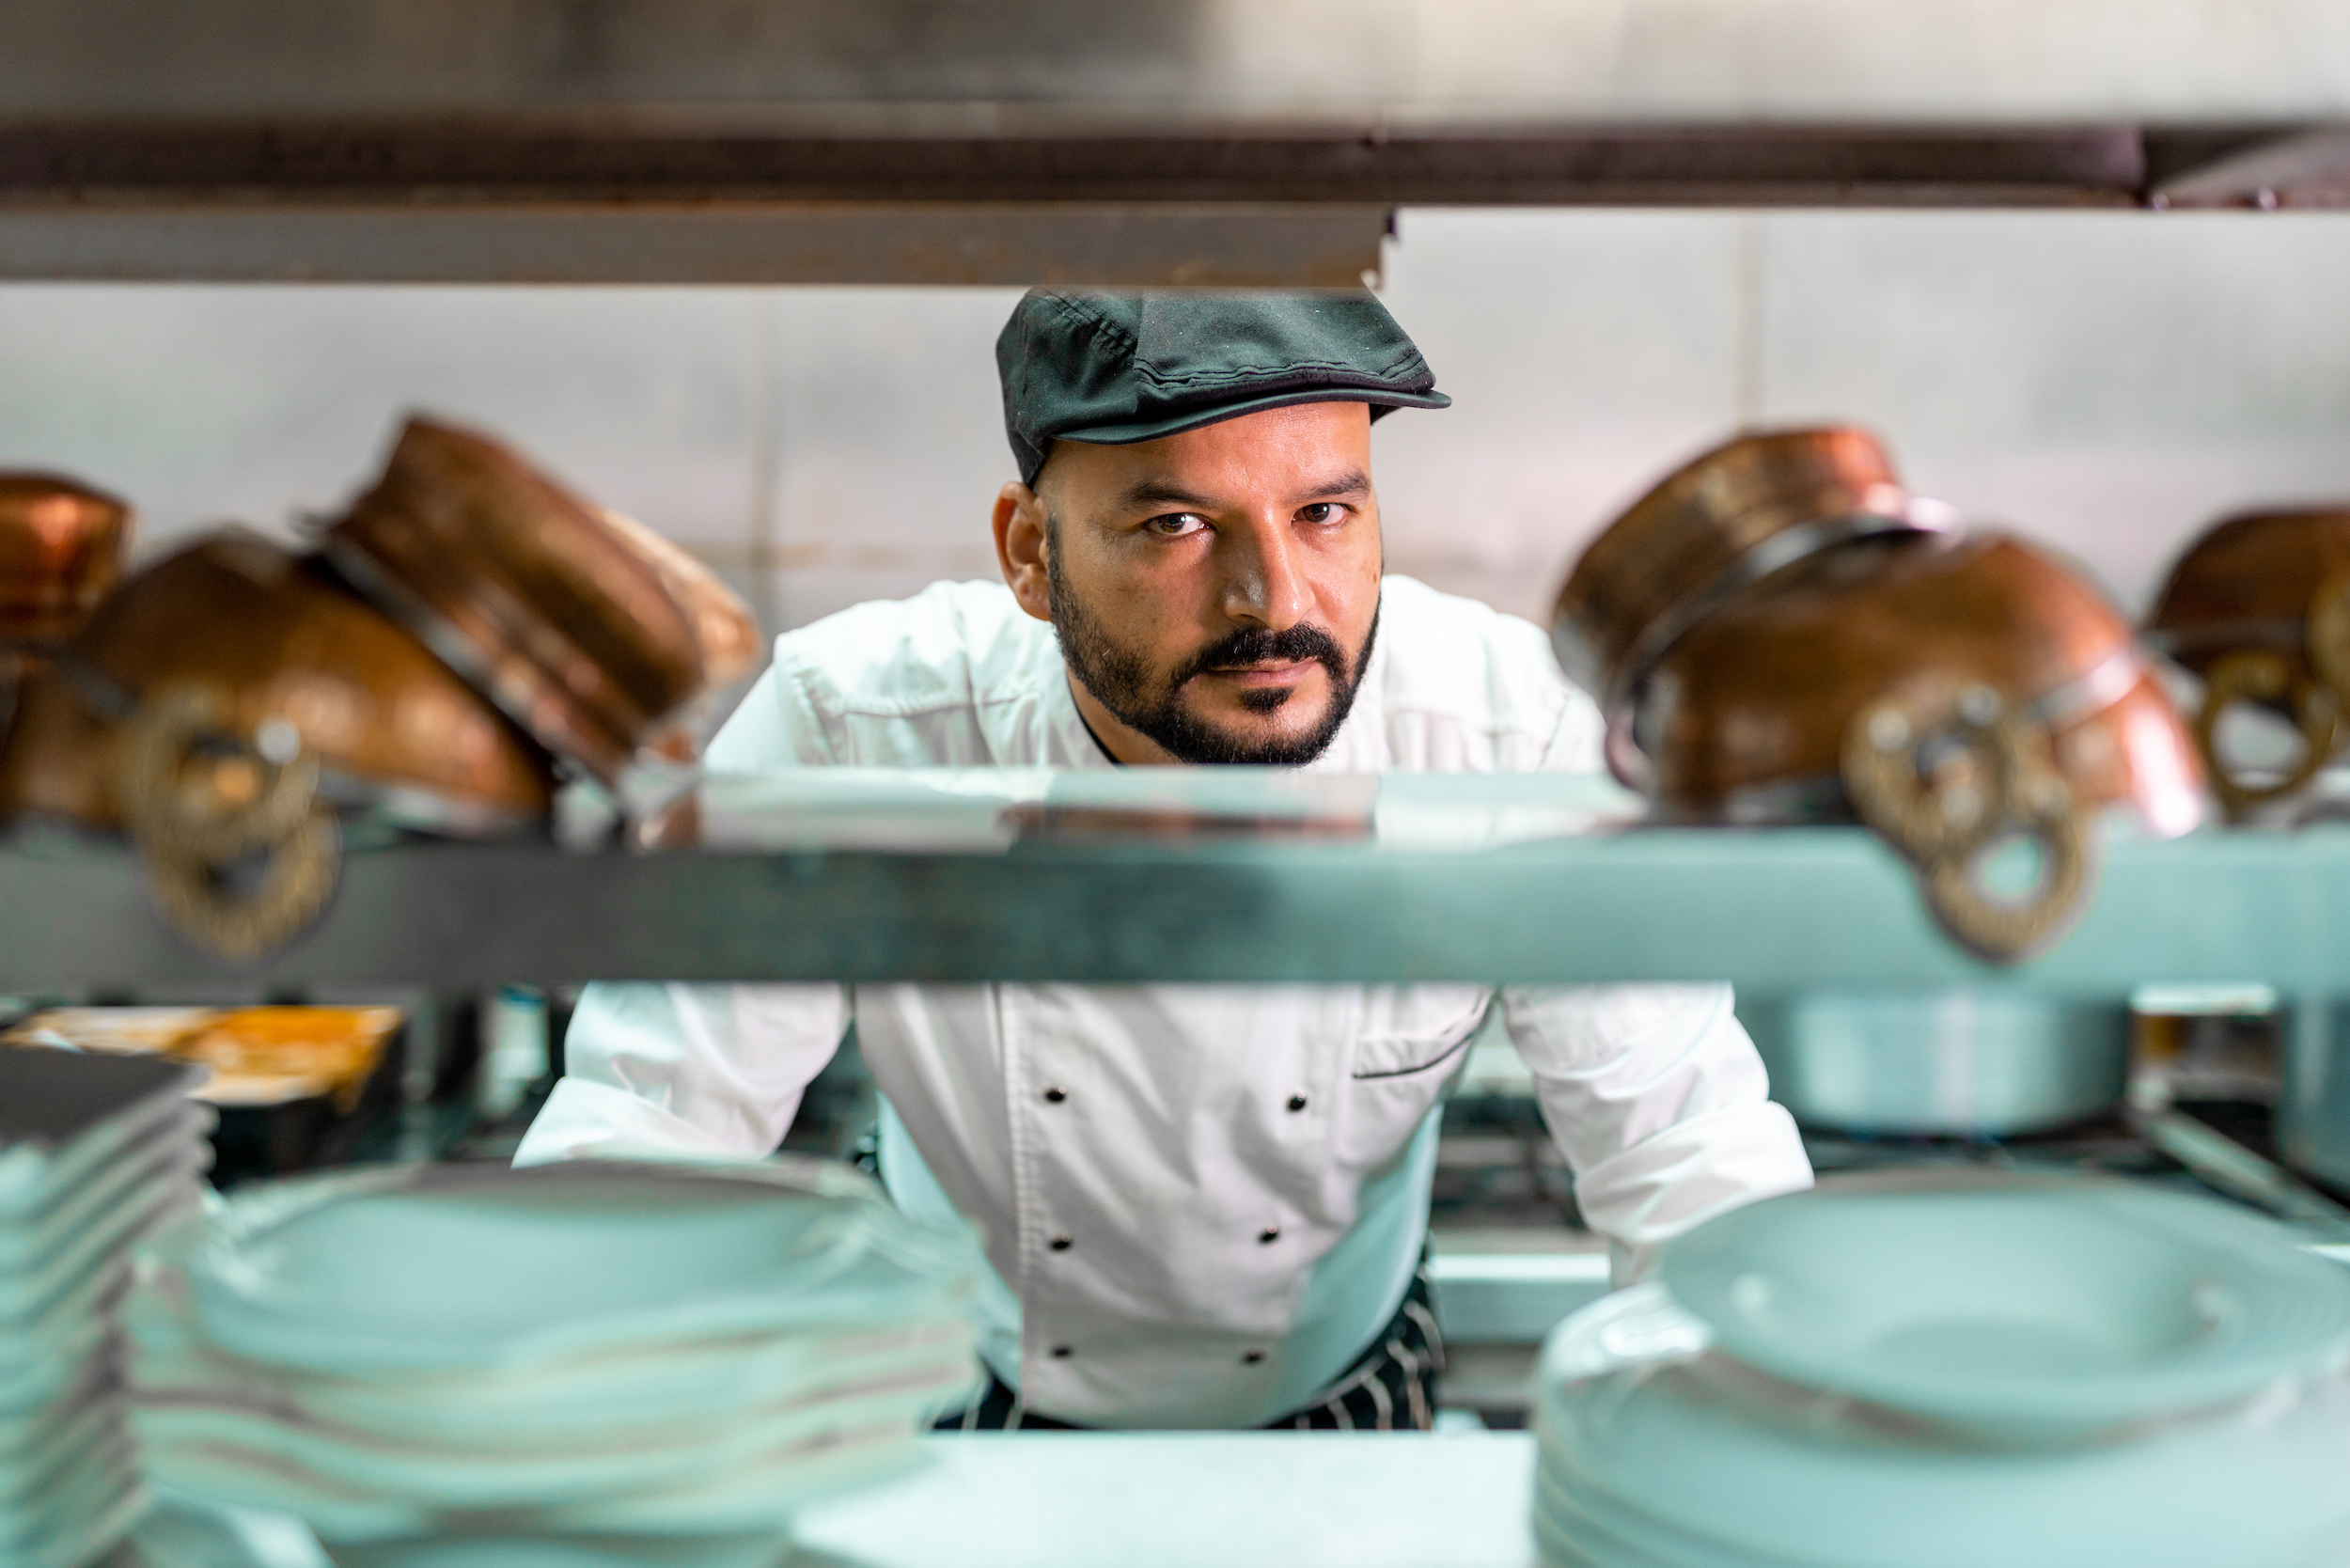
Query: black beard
[(1121, 681)]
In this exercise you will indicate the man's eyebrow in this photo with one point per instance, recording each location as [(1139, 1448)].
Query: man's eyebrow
[(1352, 481), (1167, 493), (1162, 493)]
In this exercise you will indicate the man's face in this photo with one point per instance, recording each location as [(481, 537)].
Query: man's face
[(1215, 593)]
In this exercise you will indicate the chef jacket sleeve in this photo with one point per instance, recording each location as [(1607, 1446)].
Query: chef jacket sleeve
[(1658, 1101), (686, 1069), (1654, 1092), (777, 726), (701, 1069)]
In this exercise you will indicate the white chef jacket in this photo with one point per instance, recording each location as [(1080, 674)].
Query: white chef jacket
[(1200, 1204)]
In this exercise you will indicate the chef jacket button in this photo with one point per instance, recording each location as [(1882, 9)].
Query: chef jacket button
[(1297, 1102), (1060, 1244), (1250, 1357), (1060, 1353), (1055, 1096), (1267, 1236)]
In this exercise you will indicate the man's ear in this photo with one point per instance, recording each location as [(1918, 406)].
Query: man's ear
[(1021, 543)]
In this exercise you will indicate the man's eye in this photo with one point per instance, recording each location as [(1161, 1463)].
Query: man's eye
[(1175, 524), (1321, 511)]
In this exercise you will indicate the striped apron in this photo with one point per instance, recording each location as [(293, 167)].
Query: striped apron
[(1390, 1387)]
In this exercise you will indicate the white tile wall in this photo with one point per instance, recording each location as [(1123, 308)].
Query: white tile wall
[(256, 404), (2107, 381)]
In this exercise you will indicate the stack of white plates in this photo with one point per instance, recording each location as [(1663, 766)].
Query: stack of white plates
[(2022, 1372), (596, 1352), (96, 1153)]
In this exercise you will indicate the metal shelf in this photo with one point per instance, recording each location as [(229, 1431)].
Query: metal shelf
[(1772, 910), (1193, 141)]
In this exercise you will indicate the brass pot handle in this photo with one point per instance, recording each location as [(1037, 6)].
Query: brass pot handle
[(190, 815), (2320, 699), (2262, 675), (191, 836), (1944, 829), (289, 893)]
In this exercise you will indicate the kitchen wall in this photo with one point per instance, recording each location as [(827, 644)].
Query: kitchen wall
[(2109, 382)]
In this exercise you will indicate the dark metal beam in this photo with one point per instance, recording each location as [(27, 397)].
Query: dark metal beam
[(1168, 243), (2270, 170), (554, 158)]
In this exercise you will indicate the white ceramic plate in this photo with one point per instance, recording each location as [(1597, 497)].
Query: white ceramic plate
[(29, 1383), (27, 1344), (1565, 1543), (123, 1103), (572, 1402), (652, 1407), (27, 1298), (1607, 1530), (80, 1492), (2021, 1306), (1729, 1456), (96, 1380), (755, 1549), (81, 1542), (454, 1268), (618, 1463), (28, 1477), (175, 1153), (753, 1497), (529, 1480)]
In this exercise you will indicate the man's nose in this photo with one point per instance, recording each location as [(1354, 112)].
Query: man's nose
[(1264, 578)]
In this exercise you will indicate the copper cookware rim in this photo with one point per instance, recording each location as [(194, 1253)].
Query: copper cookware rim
[(2219, 637), (504, 646), (1887, 494), (2336, 512), (17, 482), (517, 686), (43, 606), (1629, 517), (1775, 553)]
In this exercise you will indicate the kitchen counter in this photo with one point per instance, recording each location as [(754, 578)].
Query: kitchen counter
[(1082, 1501), (1193, 1501)]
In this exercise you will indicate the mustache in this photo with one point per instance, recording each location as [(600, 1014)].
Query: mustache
[(1253, 645)]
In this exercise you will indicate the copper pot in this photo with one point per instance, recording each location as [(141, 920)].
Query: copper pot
[(1952, 693), (61, 549), (2259, 608), (525, 591), (220, 701), (724, 633), (1715, 526), (283, 642)]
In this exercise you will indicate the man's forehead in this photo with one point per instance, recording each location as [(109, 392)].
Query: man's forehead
[(1291, 454)]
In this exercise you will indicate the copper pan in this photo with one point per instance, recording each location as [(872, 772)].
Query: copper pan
[(1952, 693), (525, 591), (2259, 609), (1716, 526), (61, 549), (221, 701), (724, 632)]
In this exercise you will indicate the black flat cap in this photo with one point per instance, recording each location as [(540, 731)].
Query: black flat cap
[(1119, 368)]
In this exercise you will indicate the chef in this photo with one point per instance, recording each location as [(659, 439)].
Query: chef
[(1203, 1206)]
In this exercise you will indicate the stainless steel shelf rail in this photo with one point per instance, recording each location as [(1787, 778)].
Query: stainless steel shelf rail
[(1787, 910)]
